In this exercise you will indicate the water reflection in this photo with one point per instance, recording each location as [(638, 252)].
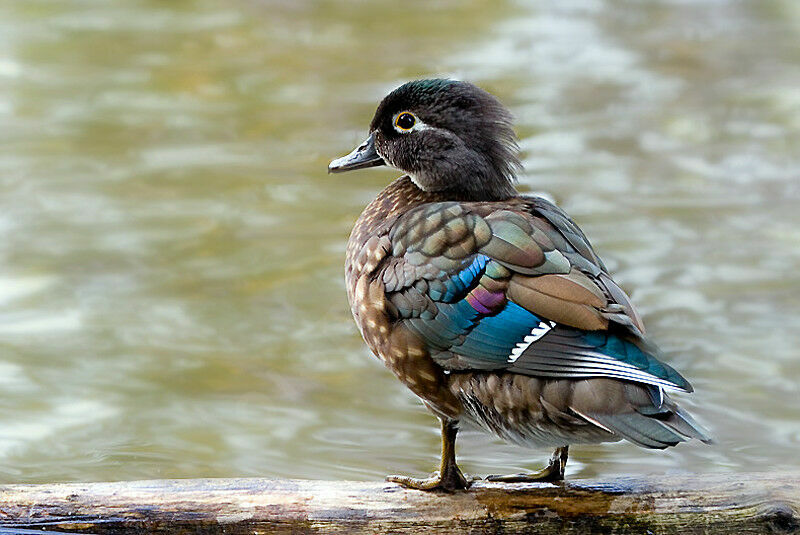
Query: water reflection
[(171, 293)]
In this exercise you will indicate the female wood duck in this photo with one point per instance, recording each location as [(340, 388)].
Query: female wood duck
[(489, 305)]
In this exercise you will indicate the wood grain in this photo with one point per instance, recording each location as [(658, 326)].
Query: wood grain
[(742, 503)]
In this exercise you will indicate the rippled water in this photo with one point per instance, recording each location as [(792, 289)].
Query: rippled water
[(171, 295)]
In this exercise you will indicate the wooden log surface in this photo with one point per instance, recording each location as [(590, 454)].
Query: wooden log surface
[(707, 503)]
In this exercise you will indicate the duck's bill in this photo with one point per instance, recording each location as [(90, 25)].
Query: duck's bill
[(362, 157)]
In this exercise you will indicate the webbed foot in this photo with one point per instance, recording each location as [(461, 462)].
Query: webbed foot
[(554, 471), (452, 481)]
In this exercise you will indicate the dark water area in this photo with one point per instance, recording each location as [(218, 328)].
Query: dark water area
[(171, 291)]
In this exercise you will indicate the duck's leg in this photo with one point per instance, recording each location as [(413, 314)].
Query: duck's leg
[(449, 477), (554, 471)]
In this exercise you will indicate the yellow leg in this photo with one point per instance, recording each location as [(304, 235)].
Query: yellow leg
[(449, 477)]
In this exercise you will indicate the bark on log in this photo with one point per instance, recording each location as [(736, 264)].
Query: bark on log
[(746, 503)]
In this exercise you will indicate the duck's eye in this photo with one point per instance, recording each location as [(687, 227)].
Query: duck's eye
[(405, 121)]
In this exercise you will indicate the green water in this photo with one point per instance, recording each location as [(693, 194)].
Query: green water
[(171, 248)]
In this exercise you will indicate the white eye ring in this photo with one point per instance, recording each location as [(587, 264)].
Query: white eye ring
[(415, 126)]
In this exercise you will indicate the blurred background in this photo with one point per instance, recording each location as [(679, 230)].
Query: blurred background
[(171, 247)]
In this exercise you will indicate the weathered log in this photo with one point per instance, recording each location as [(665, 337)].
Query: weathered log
[(743, 503)]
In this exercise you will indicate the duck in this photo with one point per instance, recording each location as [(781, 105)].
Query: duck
[(491, 306)]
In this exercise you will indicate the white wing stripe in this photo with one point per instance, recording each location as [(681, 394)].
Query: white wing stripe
[(537, 332)]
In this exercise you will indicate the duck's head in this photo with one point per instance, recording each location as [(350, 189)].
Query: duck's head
[(448, 136)]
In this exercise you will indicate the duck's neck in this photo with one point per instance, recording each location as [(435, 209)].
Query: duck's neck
[(472, 191), (468, 175), (403, 194)]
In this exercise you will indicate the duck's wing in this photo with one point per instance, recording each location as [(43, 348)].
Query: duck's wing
[(516, 288), (568, 238)]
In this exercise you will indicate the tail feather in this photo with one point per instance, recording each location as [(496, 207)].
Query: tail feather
[(639, 429), (640, 413), (681, 422)]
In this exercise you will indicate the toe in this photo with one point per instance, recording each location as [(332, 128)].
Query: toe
[(429, 483)]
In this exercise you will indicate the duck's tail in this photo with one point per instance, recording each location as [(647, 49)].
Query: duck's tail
[(646, 416)]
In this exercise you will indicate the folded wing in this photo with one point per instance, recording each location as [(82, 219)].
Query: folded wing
[(517, 289)]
